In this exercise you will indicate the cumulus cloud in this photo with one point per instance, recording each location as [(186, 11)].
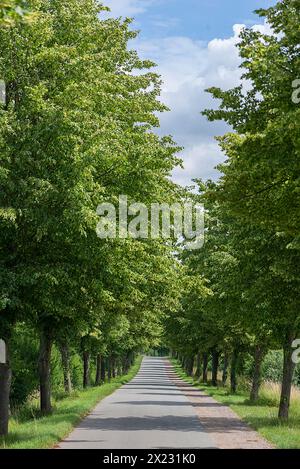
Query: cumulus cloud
[(200, 160), (188, 67)]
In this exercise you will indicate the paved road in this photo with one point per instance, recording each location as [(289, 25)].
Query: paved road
[(149, 412)]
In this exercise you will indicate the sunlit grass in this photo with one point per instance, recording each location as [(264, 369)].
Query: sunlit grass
[(28, 430), (262, 416)]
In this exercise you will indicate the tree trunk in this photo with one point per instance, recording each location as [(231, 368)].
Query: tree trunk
[(65, 360), (287, 378), (215, 366), (256, 378), (198, 369), (5, 383), (233, 371), (127, 363), (102, 369), (204, 371), (45, 372), (98, 370), (225, 369), (86, 369), (113, 367)]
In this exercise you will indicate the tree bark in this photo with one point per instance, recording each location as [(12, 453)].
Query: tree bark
[(102, 369), (98, 370), (256, 378), (189, 366), (65, 360), (204, 371), (287, 378), (225, 369), (127, 363), (5, 384), (45, 372), (113, 367), (215, 366), (86, 369), (233, 371), (198, 369)]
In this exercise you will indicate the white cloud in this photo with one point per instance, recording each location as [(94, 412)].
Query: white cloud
[(188, 67), (160, 22), (263, 28), (200, 160)]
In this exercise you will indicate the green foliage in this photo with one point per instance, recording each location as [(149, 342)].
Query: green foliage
[(272, 366), (24, 346)]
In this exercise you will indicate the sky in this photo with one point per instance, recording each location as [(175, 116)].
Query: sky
[(193, 43)]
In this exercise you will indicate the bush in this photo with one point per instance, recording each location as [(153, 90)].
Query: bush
[(24, 359)]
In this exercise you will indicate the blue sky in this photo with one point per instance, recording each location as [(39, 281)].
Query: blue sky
[(193, 43), (198, 19)]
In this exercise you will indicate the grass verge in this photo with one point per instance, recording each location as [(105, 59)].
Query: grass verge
[(29, 432), (262, 416)]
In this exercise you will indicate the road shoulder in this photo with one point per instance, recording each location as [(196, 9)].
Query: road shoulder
[(224, 426)]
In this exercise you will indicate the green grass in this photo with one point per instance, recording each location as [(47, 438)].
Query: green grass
[(262, 416), (27, 430)]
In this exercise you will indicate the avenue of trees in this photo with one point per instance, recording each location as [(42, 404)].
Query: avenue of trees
[(249, 268), (77, 128)]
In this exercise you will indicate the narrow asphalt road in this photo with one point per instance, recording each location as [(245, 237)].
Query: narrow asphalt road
[(149, 412)]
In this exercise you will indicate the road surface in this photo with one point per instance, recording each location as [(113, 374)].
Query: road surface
[(149, 412)]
